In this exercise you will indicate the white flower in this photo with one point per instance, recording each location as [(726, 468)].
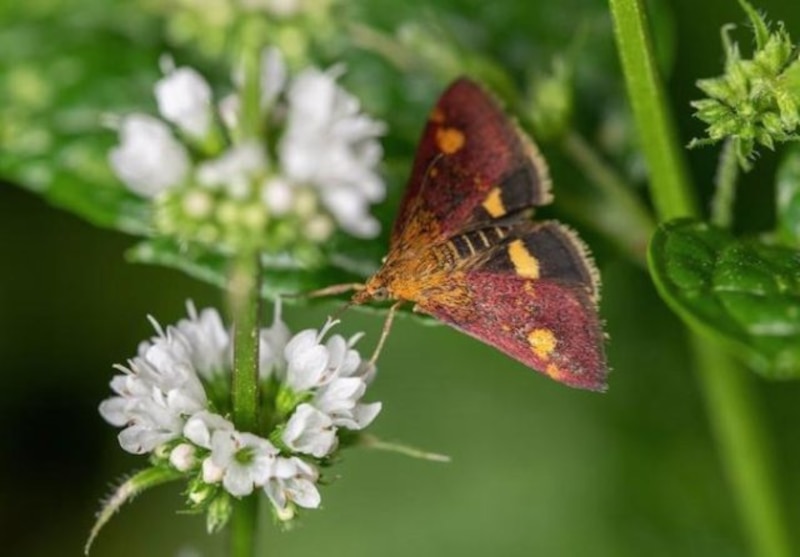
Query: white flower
[(156, 393), (335, 374), (309, 431), (272, 342), (161, 404), (149, 160), (330, 145), (292, 481), (246, 459), (324, 176), (184, 98), (307, 360), (207, 339), (235, 169), (159, 389), (343, 359), (339, 400), (201, 426), (172, 371)]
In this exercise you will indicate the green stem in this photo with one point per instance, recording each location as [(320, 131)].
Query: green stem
[(725, 186), (736, 420), (251, 118), (245, 305), (669, 182), (249, 124), (244, 523), (244, 300), (623, 217)]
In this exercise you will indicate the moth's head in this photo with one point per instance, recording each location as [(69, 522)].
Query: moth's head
[(375, 289)]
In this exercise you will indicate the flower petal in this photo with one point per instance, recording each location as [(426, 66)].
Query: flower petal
[(199, 427), (184, 98), (309, 431), (149, 160), (305, 493)]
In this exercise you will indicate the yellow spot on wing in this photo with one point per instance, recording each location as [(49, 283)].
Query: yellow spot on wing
[(525, 264), (449, 140), (529, 288), (554, 372), (494, 203), (542, 342)]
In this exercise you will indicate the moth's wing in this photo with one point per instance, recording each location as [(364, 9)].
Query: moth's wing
[(549, 326), (535, 298), (473, 166), (545, 250)]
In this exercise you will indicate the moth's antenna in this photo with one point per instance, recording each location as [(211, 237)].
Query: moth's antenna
[(387, 326)]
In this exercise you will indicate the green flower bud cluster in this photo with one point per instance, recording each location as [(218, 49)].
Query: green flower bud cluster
[(756, 101)]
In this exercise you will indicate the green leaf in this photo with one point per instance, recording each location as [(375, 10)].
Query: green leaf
[(281, 276), (788, 198), (743, 291), (54, 98)]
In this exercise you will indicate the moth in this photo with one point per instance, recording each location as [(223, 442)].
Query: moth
[(464, 249)]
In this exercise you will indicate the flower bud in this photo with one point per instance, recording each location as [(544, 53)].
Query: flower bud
[(182, 457), (219, 512)]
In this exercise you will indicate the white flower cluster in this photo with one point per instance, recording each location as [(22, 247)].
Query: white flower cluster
[(323, 173), (162, 404)]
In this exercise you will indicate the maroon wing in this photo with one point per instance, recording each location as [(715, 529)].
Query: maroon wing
[(550, 326), (473, 166), (533, 295)]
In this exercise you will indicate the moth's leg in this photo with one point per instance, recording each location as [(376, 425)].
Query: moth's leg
[(387, 326), (328, 291)]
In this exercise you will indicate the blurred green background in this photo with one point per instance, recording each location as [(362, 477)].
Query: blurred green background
[(538, 469)]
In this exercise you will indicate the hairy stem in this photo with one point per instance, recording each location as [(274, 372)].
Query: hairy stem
[(244, 304), (244, 301), (725, 186), (735, 418)]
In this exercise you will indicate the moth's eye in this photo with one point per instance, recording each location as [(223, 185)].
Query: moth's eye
[(380, 294)]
